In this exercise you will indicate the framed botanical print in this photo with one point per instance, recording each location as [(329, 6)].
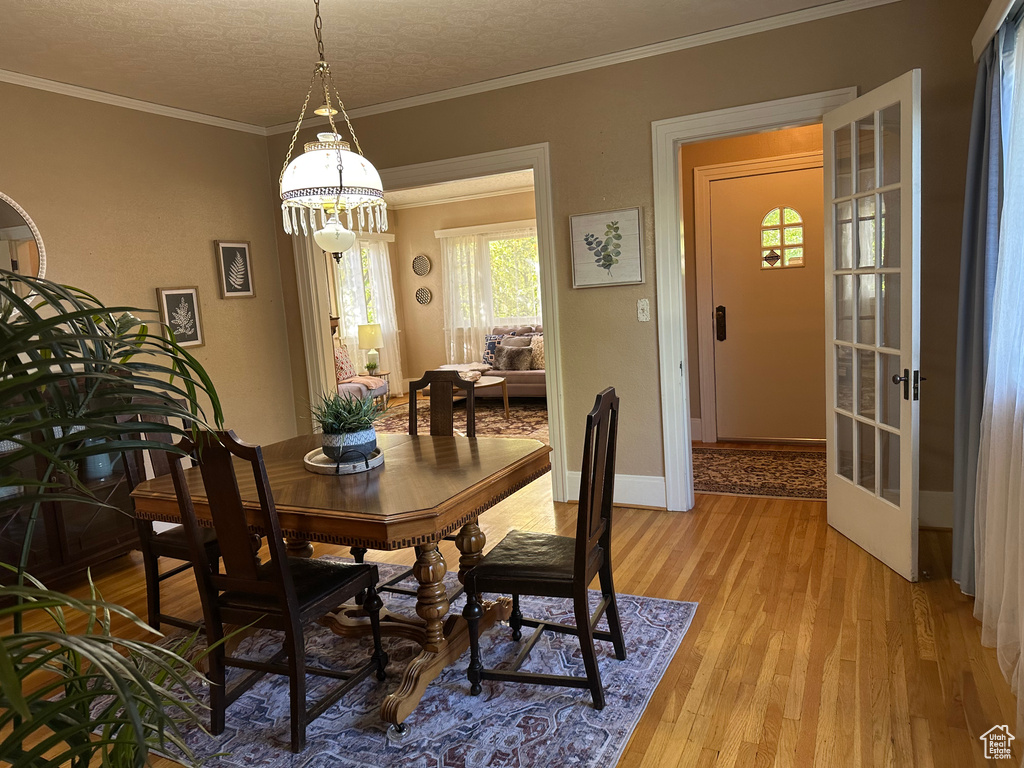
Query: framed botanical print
[(235, 268), (179, 310), (607, 248)]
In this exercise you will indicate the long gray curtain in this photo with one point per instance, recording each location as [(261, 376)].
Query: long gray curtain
[(978, 258)]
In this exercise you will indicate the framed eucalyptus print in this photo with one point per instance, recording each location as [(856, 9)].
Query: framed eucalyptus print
[(607, 248), (179, 310), (235, 268)]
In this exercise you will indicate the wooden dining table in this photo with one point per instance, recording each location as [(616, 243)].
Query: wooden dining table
[(427, 488)]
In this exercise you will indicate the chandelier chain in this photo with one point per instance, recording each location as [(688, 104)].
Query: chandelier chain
[(344, 113), (318, 28), (298, 125)]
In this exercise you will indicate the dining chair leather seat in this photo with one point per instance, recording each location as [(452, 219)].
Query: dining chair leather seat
[(313, 580), (527, 562)]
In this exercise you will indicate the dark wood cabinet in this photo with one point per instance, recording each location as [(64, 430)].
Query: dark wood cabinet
[(71, 536)]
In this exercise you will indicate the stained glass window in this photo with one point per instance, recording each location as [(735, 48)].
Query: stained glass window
[(782, 238)]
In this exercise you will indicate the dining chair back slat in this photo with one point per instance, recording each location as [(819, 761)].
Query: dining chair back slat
[(444, 386)]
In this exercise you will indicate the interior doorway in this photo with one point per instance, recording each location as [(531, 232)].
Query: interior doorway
[(759, 244)]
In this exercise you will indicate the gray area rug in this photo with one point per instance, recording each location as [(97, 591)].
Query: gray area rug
[(506, 725), (774, 473)]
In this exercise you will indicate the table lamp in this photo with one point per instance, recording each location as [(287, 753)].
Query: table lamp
[(371, 338)]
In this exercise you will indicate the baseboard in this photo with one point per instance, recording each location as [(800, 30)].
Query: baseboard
[(935, 509), (630, 490), (696, 429)]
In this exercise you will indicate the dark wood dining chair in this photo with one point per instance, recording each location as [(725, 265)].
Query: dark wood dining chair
[(172, 543), (444, 386), (282, 594), (530, 563)]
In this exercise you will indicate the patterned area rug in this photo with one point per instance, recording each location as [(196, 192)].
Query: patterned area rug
[(740, 472), (528, 417), (506, 725)]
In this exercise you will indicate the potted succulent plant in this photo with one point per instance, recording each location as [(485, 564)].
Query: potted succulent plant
[(346, 423)]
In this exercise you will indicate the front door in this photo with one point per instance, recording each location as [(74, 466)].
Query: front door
[(872, 298), (767, 257)]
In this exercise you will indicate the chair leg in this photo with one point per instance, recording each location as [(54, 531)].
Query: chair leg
[(612, 611), (151, 565), (217, 678), (586, 638), (472, 613), (358, 553), (295, 646), (372, 605), (515, 620)]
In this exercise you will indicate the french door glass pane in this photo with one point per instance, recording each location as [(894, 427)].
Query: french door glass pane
[(844, 235), (890, 141), (889, 464), (866, 307), (889, 221), (844, 307), (866, 383), (844, 446), (889, 310), (866, 231), (844, 377), (866, 456), (890, 394), (865, 132), (843, 162)]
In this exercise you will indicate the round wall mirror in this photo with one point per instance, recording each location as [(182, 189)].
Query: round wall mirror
[(21, 247)]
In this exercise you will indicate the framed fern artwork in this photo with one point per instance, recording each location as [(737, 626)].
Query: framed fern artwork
[(235, 269), (179, 311), (607, 248)]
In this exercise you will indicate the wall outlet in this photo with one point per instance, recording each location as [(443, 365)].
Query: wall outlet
[(643, 310)]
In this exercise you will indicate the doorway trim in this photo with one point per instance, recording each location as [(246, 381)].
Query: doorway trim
[(702, 178), (670, 292)]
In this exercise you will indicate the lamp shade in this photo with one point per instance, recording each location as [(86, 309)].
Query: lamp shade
[(370, 336)]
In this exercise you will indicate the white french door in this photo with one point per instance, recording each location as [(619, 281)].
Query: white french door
[(872, 298)]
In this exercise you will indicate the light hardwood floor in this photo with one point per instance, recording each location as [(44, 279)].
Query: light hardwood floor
[(804, 651)]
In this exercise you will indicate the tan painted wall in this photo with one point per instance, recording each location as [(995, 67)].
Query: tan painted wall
[(423, 331), (127, 201), (771, 144), (598, 125)]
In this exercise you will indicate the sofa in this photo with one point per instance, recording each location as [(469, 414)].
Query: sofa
[(520, 383)]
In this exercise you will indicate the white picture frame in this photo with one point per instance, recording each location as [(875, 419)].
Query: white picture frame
[(180, 312), (607, 248), (234, 265)]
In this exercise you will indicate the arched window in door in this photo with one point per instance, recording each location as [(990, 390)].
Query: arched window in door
[(782, 239)]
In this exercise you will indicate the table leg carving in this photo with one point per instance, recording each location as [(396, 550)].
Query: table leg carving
[(470, 541), (431, 596), (298, 547)]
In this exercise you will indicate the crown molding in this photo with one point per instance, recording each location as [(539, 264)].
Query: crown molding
[(89, 94), (459, 198), (837, 8), (486, 229), (610, 59)]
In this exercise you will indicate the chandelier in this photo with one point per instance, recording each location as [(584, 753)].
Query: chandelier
[(329, 189)]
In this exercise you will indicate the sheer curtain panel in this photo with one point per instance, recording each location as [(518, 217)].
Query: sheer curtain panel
[(383, 292), (1000, 496), (466, 289)]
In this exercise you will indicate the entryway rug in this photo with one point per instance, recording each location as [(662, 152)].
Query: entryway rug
[(741, 472), (528, 417), (506, 725)]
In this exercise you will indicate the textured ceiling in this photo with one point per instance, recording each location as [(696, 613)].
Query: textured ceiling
[(250, 60), (496, 184)]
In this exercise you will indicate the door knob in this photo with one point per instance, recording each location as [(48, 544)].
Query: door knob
[(720, 322), (896, 378), (905, 378)]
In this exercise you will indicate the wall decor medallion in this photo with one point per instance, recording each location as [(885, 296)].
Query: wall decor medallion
[(235, 268), (423, 295), (607, 248), (179, 311), (421, 265)]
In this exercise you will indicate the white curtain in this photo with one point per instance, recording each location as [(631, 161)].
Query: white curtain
[(351, 286), (466, 288), (999, 535)]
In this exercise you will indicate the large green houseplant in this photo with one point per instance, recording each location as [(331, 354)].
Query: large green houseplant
[(69, 368)]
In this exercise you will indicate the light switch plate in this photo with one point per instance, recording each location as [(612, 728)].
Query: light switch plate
[(643, 310)]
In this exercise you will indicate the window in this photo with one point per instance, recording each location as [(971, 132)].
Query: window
[(515, 279), (782, 239)]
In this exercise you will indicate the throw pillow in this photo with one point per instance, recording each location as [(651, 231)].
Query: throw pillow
[(343, 368), (537, 345), (513, 358), (491, 341), (514, 341)]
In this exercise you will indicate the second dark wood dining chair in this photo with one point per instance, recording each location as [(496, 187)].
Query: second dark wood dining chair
[(172, 543), (444, 386), (282, 594), (530, 563)]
